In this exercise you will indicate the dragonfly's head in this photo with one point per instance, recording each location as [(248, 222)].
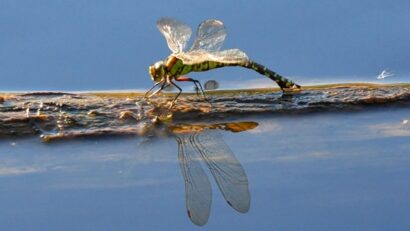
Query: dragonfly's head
[(157, 71)]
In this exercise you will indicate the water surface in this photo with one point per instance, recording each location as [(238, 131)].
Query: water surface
[(320, 171)]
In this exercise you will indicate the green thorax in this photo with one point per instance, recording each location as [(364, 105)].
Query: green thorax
[(177, 67)]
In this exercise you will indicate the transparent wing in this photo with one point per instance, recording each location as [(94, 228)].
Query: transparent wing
[(230, 56), (225, 168), (209, 36), (175, 32), (198, 193)]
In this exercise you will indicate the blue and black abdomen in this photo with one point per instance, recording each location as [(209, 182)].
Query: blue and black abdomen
[(283, 82)]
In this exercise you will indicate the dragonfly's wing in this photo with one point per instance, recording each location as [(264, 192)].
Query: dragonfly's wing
[(209, 36), (231, 56), (175, 32), (227, 171), (198, 193)]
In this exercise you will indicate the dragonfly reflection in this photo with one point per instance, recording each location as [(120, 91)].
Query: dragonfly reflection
[(199, 145)]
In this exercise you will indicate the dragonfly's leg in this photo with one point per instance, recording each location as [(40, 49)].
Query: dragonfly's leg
[(164, 84), (176, 97), (201, 88), (196, 89), (196, 82), (147, 93)]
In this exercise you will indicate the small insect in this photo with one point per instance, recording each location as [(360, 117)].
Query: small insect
[(204, 55), (384, 74)]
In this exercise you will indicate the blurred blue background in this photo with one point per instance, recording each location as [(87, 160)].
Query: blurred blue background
[(99, 45)]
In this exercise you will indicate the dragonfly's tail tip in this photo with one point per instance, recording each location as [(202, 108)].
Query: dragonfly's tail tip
[(295, 86), (292, 88)]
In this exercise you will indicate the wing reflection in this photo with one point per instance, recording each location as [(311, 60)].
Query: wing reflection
[(198, 193), (198, 144), (204, 144)]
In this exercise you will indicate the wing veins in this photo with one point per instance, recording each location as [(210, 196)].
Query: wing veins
[(198, 193), (176, 33), (226, 170)]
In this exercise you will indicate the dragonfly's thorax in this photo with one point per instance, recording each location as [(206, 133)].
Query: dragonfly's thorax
[(158, 71), (174, 65)]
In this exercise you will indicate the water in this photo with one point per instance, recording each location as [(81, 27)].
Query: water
[(342, 167), (320, 171), (94, 45)]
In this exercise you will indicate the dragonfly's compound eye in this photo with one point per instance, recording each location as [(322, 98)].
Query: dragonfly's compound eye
[(152, 71), (157, 71)]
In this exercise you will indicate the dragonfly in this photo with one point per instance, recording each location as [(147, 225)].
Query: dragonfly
[(206, 146), (205, 54)]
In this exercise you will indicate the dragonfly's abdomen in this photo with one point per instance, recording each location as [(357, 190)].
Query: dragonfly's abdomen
[(208, 65), (283, 82), (178, 68)]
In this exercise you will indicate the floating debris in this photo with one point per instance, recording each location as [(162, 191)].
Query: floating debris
[(384, 74), (211, 85), (405, 123), (94, 114)]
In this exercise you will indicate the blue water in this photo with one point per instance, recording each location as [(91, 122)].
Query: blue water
[(343, 171), (329, 171), (96, 45)]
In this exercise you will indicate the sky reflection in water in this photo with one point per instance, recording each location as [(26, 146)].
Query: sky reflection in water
[(94, 45), (346, 171)]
